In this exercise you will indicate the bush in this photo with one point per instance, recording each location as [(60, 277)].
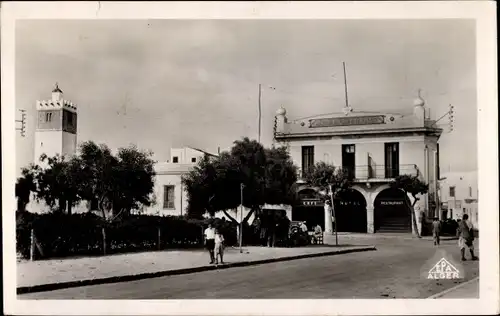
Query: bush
[(62, 235)]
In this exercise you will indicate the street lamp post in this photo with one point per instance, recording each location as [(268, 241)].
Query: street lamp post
[(334, 216), (241, 217)]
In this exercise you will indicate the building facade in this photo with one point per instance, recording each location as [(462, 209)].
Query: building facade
[(373, 148), (170, 196), (459, 195)]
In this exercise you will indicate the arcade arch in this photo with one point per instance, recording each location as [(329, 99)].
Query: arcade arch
[(390, 211), (350, 211)]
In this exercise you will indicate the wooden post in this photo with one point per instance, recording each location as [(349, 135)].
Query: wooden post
[(159, 238), (32, 248), (104, 240), (202, 236)]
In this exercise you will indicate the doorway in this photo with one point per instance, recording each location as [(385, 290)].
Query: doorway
[(349, 160), (391, 212), (391, 160), (350, 212)]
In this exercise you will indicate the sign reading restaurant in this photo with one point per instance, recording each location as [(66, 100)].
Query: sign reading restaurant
[(346, 121)]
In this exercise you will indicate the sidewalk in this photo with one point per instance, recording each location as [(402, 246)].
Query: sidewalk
[(468, 289), (47, 275)]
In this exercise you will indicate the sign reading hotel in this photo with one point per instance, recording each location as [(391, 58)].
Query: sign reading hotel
[(347, 121)]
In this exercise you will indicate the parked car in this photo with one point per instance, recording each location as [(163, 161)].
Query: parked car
[(296, 236)]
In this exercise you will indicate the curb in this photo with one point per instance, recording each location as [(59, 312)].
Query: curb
[(379, 236), (456, 287), (135, 277)]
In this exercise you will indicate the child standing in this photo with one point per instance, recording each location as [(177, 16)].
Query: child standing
[(219, 247)]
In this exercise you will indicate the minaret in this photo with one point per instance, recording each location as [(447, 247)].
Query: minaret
[(56, 126)]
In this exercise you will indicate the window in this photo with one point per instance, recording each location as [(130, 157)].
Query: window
[(168, 196), (452, 191), (193, 159), (175, 159), (48, 117), (349, 149), (307, 158), (70, 118), (470, 191)]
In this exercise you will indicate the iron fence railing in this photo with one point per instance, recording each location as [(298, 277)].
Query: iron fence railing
[(367, 172)]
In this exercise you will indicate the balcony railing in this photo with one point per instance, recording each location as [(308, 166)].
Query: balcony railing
[(365, 173)]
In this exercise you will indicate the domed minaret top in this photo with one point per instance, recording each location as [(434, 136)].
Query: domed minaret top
[(56, 89), (57, 93), (419, 101), (281, 111)]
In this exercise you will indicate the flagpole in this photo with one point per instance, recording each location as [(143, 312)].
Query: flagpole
[(260, 110), (345, 86)]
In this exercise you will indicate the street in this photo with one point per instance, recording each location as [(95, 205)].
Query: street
[(393, 271)]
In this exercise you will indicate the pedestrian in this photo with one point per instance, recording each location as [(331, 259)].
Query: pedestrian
[(466, 237), (436, 230), (318, 233), (210, 241), (219, 247), (303, 227)]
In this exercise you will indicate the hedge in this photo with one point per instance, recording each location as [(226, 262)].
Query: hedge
[(63, 235)]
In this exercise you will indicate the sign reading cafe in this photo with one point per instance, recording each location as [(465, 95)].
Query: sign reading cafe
[(346, 121)]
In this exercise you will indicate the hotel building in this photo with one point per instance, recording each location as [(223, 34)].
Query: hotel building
[(374, 148)]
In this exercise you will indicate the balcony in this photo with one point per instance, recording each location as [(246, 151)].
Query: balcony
[(375, 173)]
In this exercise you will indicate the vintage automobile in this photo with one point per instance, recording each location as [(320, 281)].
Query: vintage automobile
[(296, 236)]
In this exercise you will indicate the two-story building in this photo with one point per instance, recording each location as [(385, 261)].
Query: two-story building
[(374, 148), (170, 196), (459, 195)]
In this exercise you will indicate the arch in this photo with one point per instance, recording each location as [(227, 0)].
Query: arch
[(350, 211), (309, 206), (391, 212)]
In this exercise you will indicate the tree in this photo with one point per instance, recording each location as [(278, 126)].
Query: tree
[(97, 163), (411, 185), (268, 176), (281, 177), (118, 183), (25, 185), (324, 175), (132, 180), (58, 184)]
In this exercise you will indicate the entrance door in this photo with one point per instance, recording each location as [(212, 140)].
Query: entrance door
[(391, 160), (350, 212), (348, 160), (391, 212)]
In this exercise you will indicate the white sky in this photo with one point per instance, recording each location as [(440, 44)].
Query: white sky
[(167, 83)]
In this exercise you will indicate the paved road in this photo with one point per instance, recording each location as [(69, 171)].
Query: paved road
[(393, 271)]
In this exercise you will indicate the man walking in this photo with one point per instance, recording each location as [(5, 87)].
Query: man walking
[(436, 230), (466, 237), (210, 241)]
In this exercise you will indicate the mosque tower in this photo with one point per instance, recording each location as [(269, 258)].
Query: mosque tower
[(56, 126)]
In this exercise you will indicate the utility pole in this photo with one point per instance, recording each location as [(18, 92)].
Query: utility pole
[(334, 216), (241, 217), (23, 123), (260, 109)]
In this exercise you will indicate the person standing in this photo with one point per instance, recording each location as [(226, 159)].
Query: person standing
[(318, 234), (436, 230), (219, 247), (466, 237), (210, 241)]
